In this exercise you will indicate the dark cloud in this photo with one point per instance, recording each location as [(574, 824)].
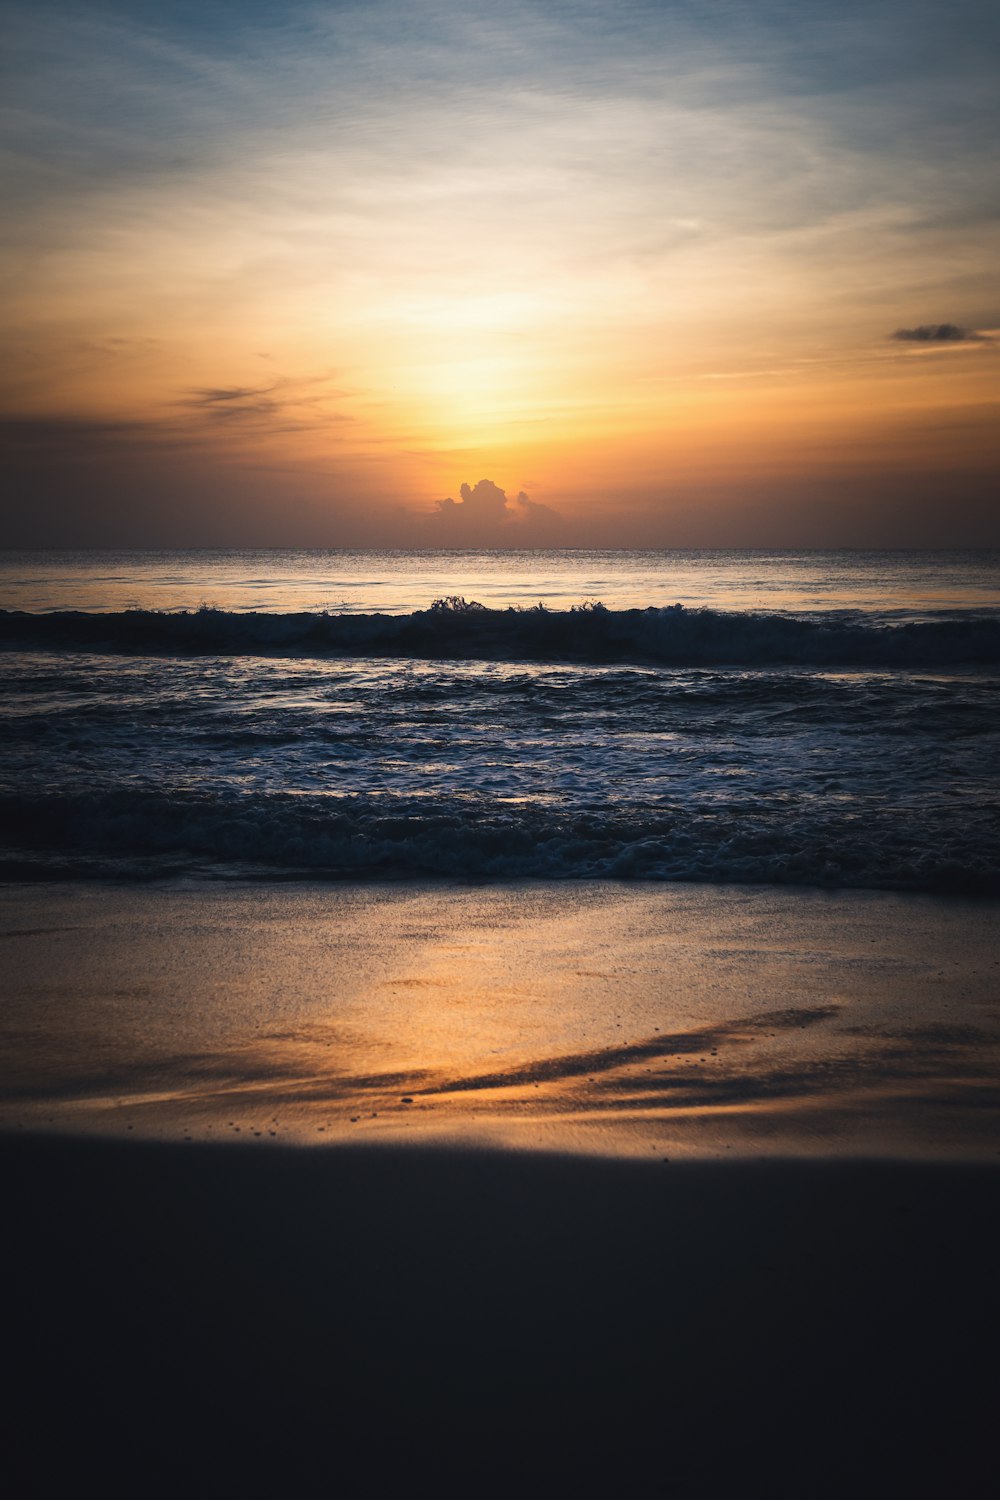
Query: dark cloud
[(486, 502), (233, 402), (484, 510), (938, 333), (76, 438), (287, 404)]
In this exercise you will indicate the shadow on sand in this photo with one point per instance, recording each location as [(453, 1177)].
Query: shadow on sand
[(223, 1320)]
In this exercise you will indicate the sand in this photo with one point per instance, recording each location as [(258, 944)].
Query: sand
[(626, 1020), (697, 1193), (212, 1320)]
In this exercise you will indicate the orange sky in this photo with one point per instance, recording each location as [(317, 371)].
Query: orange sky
[(720, 280)]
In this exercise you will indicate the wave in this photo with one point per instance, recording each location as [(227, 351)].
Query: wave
[(457, 630), (137, 833)]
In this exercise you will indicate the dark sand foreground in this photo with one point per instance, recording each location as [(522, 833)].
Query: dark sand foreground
[(633, 1191), (242, 1320)]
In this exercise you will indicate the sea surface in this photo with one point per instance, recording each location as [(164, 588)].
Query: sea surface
[(804, 718)]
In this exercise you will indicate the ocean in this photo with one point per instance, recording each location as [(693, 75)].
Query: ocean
[(800, 718)]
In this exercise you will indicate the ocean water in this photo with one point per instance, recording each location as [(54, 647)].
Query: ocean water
[(823, 719)]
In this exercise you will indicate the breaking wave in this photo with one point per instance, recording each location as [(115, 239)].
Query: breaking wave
[(457, 630), (135, 833)]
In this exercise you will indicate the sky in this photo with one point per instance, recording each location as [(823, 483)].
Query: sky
[(579, 273)]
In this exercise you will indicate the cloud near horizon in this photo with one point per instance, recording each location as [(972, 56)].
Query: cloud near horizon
[(485, 508)]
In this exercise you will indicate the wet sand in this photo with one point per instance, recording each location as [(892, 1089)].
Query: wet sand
[(639, 1190), (614, 1019)]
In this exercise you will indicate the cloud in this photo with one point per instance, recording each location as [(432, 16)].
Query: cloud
[(486, 502), (233, 402), (483, 510), (287, 404), (74, 439), (938, 333)]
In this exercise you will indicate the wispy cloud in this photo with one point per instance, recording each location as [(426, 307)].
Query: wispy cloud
[(234, 403), (938, 333), (287, 404)]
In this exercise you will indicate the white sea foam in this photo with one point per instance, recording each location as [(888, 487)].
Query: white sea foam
[(810, 746)]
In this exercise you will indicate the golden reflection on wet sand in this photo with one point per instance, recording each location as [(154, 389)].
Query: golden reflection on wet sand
[(625, 1019)]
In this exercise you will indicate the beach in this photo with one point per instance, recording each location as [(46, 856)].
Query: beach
[(499, 748), (323, 1189), (546, 1049), (596, 1017), (217, 1320)]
